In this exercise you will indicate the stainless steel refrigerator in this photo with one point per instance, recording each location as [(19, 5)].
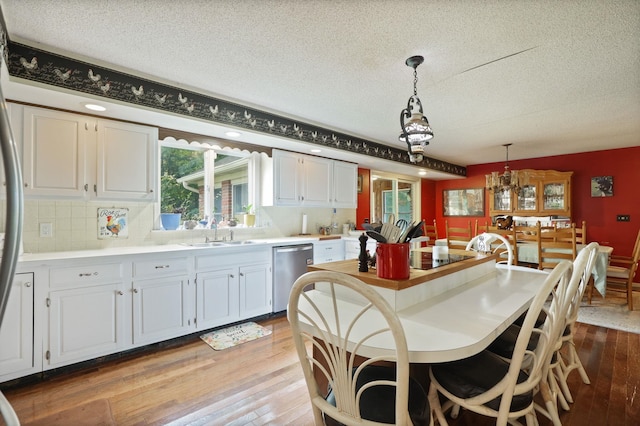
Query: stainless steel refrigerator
[(12, 229)]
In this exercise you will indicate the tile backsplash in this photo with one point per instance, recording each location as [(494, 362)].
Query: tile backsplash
[(75, 225)]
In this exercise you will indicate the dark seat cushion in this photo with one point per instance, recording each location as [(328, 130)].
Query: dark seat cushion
[(505, 343), (473, 376), (378, 402)]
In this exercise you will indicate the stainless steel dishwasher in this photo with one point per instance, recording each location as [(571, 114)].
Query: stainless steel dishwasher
[(289, 262)]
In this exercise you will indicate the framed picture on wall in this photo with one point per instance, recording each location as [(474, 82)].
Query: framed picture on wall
[(359, 184), (602, 186), (463, 202)]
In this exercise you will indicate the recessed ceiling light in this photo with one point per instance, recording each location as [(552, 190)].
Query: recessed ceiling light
[(422, 172), (316, 150), (232, 134), (94, 107)]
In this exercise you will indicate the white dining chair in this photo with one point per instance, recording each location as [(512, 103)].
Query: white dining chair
[(570, 360), (328, 343), (492, 386), (484, 243)]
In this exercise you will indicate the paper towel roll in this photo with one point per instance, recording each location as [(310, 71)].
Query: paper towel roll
[(304, 224)]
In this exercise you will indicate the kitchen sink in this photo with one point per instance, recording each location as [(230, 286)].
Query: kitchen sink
[(208, 244), (235, 243)]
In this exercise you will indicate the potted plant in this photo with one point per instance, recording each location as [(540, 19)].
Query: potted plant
[(249, 216), (171, 219)]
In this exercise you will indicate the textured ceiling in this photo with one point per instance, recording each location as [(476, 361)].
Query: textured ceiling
[(549, 77)]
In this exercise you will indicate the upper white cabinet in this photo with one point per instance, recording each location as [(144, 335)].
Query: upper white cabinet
[(75, 156), (345, 185), (292, 179), (126, 163)]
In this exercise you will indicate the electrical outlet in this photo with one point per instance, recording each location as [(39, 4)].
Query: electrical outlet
[(623, 218), (46, 229)]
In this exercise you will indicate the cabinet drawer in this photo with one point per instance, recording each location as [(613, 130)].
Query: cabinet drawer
[(85, 275), (158, 267)]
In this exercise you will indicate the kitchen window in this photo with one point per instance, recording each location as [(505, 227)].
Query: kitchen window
[(204, 183)]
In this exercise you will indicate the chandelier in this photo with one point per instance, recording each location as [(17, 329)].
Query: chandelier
[(510, 180), (416, 131)]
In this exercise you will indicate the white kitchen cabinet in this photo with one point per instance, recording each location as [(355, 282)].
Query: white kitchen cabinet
[(328, 251), (352, 247), (255, 290), (232, 286), (74, 156), (16, 333), (216, 294), (161, 299), (293, 179), (345, 185), (298, 180), (86, 306)]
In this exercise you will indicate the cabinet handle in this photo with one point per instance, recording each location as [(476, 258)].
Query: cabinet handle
[(26, 185), (231, 275), (120, 293), (151, 191), (241, 274), (162, 266), (86, 186), (87, 274), (86, 125), (135, 290), (27, 284)]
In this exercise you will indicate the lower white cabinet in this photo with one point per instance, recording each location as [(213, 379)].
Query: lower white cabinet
[(255, 290), (231, 287), (328, 251), (216, 294), (16, 333), (85, 323), (86, 310), (160, 309), (160, 297)]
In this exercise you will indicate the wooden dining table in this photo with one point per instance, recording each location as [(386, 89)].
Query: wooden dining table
[(445, 316)]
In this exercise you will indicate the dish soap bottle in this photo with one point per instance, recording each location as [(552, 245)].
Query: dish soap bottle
[(334, 223)]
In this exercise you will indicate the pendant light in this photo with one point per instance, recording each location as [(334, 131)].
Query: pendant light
[(416, 131), (509, 180)]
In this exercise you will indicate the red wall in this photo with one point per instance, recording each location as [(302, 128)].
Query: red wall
[(599, 213), (364, 197)]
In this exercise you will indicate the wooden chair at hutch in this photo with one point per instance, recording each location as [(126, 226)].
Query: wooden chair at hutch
[(622, 270), (458, 237), (431, 231), (556, 245), (581, 233)]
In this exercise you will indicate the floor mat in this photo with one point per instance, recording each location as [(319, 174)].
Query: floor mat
[(234, 335), (611, 312)]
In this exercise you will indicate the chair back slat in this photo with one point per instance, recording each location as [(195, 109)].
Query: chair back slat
[(556, 245), (458, 237)]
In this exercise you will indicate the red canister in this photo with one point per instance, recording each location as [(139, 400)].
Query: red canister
[(392, 260)]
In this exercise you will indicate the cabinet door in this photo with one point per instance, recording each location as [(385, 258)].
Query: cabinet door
[(54, 153), (16, 333), (255, 290), (160, 309), (554, 198), (85, 323), (328, 251), (217, 295), (500, 202), (316, 177), (126, 161), (286, 172), (345, 185), (528, 199)]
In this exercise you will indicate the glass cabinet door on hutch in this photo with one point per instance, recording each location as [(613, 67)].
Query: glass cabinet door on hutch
[(527, 199), (502, 202), (548, 192)]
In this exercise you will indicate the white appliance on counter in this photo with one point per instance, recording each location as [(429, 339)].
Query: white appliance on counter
[(289, 263)]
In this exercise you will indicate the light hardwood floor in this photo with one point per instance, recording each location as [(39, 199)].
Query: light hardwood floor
[(260, 383)]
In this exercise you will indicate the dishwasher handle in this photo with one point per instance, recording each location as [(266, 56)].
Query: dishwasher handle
[(293, 248)]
